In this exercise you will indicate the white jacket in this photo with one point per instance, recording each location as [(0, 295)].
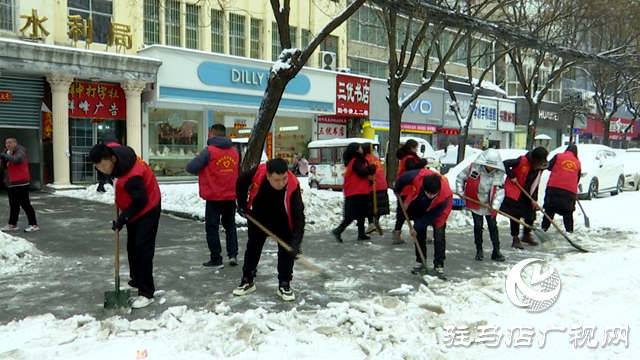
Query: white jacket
[(488, 180)]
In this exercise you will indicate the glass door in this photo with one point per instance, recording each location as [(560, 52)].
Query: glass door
[(85, 133)]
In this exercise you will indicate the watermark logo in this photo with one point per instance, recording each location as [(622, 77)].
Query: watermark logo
[(540, 293)]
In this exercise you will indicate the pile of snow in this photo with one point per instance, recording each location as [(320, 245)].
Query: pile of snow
[(406, 323), (15, 253), (450, 156)]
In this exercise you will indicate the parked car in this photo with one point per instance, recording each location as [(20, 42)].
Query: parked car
[(631, 160), (452, 174), (602, 171), (425, 150)]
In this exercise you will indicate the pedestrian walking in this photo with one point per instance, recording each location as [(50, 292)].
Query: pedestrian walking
[(483, 181), (562, 187), (138, 198), (217, 167), (275, 201), (356, 191), (17, 178)]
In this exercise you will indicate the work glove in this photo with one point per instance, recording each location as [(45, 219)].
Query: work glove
[(372, 169), (115, 225), (3, 156), (242, 212)]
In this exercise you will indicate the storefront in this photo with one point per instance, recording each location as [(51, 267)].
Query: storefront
[(219, 89), (94, 109), (507, 122), (353, 94), (594, 133), (36, 104), (420, 119), (20, 116), (483, 130), (552, 121)]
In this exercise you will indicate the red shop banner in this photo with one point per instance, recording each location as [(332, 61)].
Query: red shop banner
[(269, 145), (97, 101), (352, 95), (616, 126)]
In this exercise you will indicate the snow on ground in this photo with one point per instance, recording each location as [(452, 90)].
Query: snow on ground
[(409, 326), (15, 253)]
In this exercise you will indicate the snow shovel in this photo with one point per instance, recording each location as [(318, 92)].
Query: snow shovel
[(424, 270), (541, 235), (375, 201), (578, 247), (587, 223), (118, 298), (323, 273)]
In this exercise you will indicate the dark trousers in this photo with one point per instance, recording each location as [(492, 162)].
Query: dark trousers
[(400, 220), (141, 246), (478, 229), (252, 255), (345, 223), (19, 198), (439, 245), (529, 219), (214, 211), (373, 219), (567, 217), (519, 210)]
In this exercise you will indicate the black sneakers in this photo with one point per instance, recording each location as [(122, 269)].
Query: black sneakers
[(213, 265), (244, 288), (233, 261)]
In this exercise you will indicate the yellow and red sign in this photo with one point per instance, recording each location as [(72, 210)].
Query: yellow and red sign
[(47, 125), (5, 96), (269, 145)]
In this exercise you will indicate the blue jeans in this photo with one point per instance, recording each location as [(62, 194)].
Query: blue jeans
[(214, 211)]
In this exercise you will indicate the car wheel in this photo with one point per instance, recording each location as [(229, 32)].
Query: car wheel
[(619, 186), (314, 185), (593, 189), (637, 185)]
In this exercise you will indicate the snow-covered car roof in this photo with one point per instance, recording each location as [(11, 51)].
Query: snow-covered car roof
[(340, 142)]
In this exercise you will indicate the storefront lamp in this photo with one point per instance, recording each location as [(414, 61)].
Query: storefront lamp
[(289, 128)]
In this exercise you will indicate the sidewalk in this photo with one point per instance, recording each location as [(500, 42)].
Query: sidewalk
[(77, 269)]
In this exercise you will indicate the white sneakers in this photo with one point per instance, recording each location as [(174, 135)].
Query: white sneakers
[(244, 288), (30, 228), (140, 301)]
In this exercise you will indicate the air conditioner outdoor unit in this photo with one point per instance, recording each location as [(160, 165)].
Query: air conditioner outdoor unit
[(344, 70), (328, 60)]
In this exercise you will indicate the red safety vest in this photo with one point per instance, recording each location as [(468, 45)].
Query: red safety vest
[(564, 174), (140, 168), (471, 190), (522, 170), (402, 168), (19, 172), (260, 176), (217, 180), (353, 184), (445, 192), (381, 179)]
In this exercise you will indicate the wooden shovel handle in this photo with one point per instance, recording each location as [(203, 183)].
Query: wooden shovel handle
[(466, 198), (541, 210), (117, 243), (415, 239)]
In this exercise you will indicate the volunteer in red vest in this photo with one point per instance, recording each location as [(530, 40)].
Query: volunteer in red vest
[(409, 160), (16, 179), (428, 204), (483, 181), (138, 198), (525, 170), (382, 195), (275, 201), (356, 189), (562, 188), (217, 167)]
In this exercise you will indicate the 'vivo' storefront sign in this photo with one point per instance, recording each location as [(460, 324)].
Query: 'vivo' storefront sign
[(425, 106), (225, 75)]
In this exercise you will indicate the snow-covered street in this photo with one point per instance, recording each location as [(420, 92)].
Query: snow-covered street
[(371, 308)]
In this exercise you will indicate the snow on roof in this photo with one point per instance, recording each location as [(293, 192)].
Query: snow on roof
[(340, 142)]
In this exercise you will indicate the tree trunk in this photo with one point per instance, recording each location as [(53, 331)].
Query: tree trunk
[(605, 136), (534, 113), (462, 142), (395, 121), (268, 108)]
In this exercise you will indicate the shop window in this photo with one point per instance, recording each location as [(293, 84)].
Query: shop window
[(100, 12), (217, 36), (172, 22), (256, 29), (292, 137), (236, 35), (175, 138), (192, 26), (7, 15), (151, 14)]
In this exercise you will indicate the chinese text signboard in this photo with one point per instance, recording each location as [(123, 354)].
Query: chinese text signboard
[(5, 96), (405, 127), (506, 116), (352, 95), (269, 145), (47, 124), (97, 101), (330, 127)]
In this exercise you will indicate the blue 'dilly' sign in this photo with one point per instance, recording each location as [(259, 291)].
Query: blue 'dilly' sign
[(225, 75)]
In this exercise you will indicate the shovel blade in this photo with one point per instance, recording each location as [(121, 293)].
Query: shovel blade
[(541, 235), (117, 299)]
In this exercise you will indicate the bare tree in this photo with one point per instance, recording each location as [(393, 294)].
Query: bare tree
[(537, 71), (632, 102), (475, 57), (576, 108), (288, 65), (421, 41)]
